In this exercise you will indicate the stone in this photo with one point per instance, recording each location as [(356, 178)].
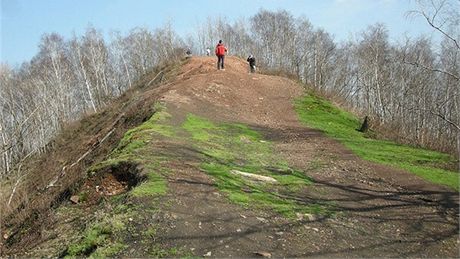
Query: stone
[(75, 199), (255, 176), (263, 254)]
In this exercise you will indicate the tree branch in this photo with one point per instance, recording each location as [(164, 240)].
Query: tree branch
[(432, 69)]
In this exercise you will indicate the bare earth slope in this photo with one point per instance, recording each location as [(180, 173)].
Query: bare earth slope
[(385, 212), (378, 211)]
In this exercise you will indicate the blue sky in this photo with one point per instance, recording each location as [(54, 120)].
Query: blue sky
[(24, 21)]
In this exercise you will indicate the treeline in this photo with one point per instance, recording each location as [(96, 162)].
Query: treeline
[(69, 78), (410, 88)]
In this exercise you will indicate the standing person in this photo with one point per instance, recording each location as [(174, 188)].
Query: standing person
[(208, 52), (220, 53), (252, 63)]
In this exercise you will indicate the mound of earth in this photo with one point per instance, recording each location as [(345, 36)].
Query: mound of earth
[(375, 211)]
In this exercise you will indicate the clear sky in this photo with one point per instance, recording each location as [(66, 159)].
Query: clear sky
[(24, 21)]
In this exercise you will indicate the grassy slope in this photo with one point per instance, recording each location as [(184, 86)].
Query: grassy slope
[(106, 235), (319, 113)]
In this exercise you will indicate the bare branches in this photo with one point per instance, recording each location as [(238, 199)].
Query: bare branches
[(68, 78), (432, 69), (432, 16)]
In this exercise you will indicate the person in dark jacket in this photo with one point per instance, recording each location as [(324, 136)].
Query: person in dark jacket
[(252, 63), (220, 53)]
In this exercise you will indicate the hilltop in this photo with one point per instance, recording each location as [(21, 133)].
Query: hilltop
[(201, 162)]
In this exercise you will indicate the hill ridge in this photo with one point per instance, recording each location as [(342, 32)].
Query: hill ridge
[(206, 123)]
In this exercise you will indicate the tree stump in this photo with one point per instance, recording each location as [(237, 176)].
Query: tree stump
[(365, 125)]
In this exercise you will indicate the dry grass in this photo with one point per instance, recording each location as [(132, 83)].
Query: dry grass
[(34, 197)]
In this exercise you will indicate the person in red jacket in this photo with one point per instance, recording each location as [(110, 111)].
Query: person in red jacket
[(220, 53)]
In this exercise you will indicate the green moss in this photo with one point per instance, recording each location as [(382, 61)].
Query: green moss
[(83, 196), (159, 252), (237, 147), (135, 139), (104, 237), (154, 186), (151, 232), (201, 129), (94, 237), (319, 113), (109, 250)]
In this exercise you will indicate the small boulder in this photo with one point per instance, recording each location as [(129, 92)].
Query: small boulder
[(75, 199)]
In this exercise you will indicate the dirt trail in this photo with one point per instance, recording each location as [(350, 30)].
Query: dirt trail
[(383, 212)]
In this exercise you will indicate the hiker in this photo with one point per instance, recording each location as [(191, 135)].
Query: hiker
[(252, 63), (220, 53), (208, 52)]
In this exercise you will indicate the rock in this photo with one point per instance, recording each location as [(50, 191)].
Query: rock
[(310, 217), (299, 216), (263, 254), (245, 140), (75, 199), (255, 176), (279, 233), (208, 254), (261, 219), (238, 230)]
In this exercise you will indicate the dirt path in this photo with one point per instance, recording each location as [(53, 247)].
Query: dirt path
[(381, 212)]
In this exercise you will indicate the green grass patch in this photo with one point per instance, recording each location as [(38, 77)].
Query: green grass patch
[(134, 139), (104, 237), (154, 186), (94, 237), (319, 113), (96, 241), (133, 148), (237, 147)]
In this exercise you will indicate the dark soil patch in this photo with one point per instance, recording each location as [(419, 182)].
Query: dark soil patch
[(109, 181)]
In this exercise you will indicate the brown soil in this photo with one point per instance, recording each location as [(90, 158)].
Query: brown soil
[(382, 212)]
